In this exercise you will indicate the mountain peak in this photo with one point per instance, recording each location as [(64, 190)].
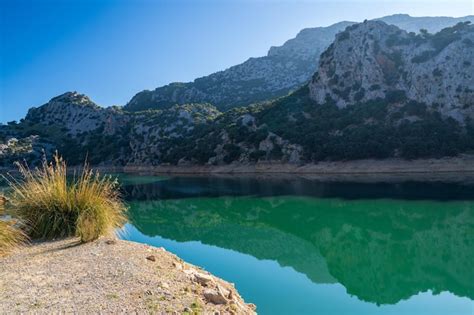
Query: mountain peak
[(374, 60), (72, 97)]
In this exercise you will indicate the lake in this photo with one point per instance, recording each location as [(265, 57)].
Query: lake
[(306, 246)]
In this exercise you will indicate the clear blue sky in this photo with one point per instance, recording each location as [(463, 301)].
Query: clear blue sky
[(112, 49)]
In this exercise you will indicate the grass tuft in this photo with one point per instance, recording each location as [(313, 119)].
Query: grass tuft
[(52, 205), (10, 237)]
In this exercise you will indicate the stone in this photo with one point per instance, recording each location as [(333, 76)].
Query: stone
[(164, 285), (252, 306), (202, 278), (151, 258), (214, 296)]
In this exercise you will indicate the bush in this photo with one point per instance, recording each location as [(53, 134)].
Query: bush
[(51, 205), (10, 237)]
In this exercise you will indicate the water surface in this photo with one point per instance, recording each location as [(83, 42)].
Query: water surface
[(301, 246)]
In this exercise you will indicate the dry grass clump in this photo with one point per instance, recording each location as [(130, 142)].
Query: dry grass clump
[(10, 237), (52, 205)]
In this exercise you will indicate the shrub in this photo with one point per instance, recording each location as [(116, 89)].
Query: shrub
[(10, 237), (51, 205), (396, 96)]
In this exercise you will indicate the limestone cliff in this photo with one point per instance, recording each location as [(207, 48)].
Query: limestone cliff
[(374, 60)]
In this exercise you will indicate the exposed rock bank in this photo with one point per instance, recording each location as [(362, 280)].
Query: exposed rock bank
[(110, 276), (460, 164)]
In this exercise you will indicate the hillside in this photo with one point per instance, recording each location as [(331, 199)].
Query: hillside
[(373, 60), (284, 69), (380, 92)]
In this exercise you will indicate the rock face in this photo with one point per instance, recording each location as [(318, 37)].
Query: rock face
[(285, 68), (374, 60)]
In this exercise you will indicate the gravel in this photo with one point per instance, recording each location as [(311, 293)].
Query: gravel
[(110, 276)]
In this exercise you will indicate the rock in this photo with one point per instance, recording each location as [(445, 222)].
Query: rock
[(164, 285), (202, 278), (214, 296), (148, 292), (110, 242), (151, 258), (225, 292), (252, 306)]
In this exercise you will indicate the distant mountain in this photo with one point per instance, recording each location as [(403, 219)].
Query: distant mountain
[(379, 92), (432, 24), (284, 69)]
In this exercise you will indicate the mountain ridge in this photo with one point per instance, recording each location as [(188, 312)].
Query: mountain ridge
[(282, 70), (324, 120)]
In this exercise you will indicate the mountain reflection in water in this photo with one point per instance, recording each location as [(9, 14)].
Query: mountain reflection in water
[(383, 242)]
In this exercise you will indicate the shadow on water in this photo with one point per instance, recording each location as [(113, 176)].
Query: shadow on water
[(191, 187)]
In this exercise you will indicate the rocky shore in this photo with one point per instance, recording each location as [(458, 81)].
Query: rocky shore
[(110, 276)]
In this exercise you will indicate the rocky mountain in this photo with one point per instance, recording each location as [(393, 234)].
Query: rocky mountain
[(155, 133), (70, 123), (77, 114), (380, 92), (432, 24), (374, 60), (284, 69)]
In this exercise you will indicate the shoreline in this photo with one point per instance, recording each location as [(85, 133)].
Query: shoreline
[(111, 276), (459, 168), (456, 169), (462, 163)]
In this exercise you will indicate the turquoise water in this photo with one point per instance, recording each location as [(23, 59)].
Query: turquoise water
[(298, 246)]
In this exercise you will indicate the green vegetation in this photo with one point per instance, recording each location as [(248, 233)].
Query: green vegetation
[(51, 205), (383, 128), (438, 41), (375, 129), (199, 133)]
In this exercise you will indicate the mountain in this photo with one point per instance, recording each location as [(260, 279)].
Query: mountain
[(380, 92), (432, 24), (77, 114), (284, 69), (374, 60)]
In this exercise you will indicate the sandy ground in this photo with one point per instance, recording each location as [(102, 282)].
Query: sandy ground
[(110, 276)]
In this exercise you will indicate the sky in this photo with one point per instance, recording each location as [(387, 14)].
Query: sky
[(112, 49)]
